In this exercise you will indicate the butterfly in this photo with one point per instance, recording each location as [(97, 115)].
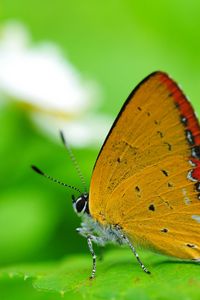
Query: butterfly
[(145, 185)]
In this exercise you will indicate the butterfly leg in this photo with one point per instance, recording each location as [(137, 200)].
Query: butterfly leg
[(89, 240), (88, 234), (128, 242), (137, 256)]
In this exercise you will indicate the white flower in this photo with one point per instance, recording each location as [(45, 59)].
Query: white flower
[(54, 91)]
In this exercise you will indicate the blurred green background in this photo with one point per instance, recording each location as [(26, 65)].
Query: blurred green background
[(115, 43)]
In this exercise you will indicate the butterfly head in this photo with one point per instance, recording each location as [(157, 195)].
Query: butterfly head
[(80, 204)]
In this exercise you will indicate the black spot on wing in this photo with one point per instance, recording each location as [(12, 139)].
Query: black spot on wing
[(165, 172), (160, 133), (165, 230), (196, 152), (189, 137), (184, 120), (151, 207), (137, 189), (190, 245), (197, 185), (168, 145)]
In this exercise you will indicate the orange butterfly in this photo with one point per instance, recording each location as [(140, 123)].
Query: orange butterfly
[(145, 186)]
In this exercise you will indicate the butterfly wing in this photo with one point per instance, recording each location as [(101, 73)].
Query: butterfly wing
[(146, 176)]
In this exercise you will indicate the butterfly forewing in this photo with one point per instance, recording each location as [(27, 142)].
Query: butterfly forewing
[(143, 179)]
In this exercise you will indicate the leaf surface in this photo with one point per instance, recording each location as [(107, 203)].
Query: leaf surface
[(118, 277)]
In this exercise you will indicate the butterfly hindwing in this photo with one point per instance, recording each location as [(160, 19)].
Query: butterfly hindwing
[(158, 209)]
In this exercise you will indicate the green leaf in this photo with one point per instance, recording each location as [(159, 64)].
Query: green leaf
[(118, 277)]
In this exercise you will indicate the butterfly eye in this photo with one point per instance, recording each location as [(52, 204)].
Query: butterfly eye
[(81, 205)]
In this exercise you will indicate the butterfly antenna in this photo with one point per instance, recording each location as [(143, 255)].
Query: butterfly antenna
[(37, 170), (74, 161)]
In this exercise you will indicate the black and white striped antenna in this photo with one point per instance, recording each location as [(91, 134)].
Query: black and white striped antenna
[(77, 168), (74, 161), (37, 170)]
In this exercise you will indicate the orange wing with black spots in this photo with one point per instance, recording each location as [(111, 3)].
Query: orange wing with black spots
[(146, 177)]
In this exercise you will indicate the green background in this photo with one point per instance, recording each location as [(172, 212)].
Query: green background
[(116, 43)]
